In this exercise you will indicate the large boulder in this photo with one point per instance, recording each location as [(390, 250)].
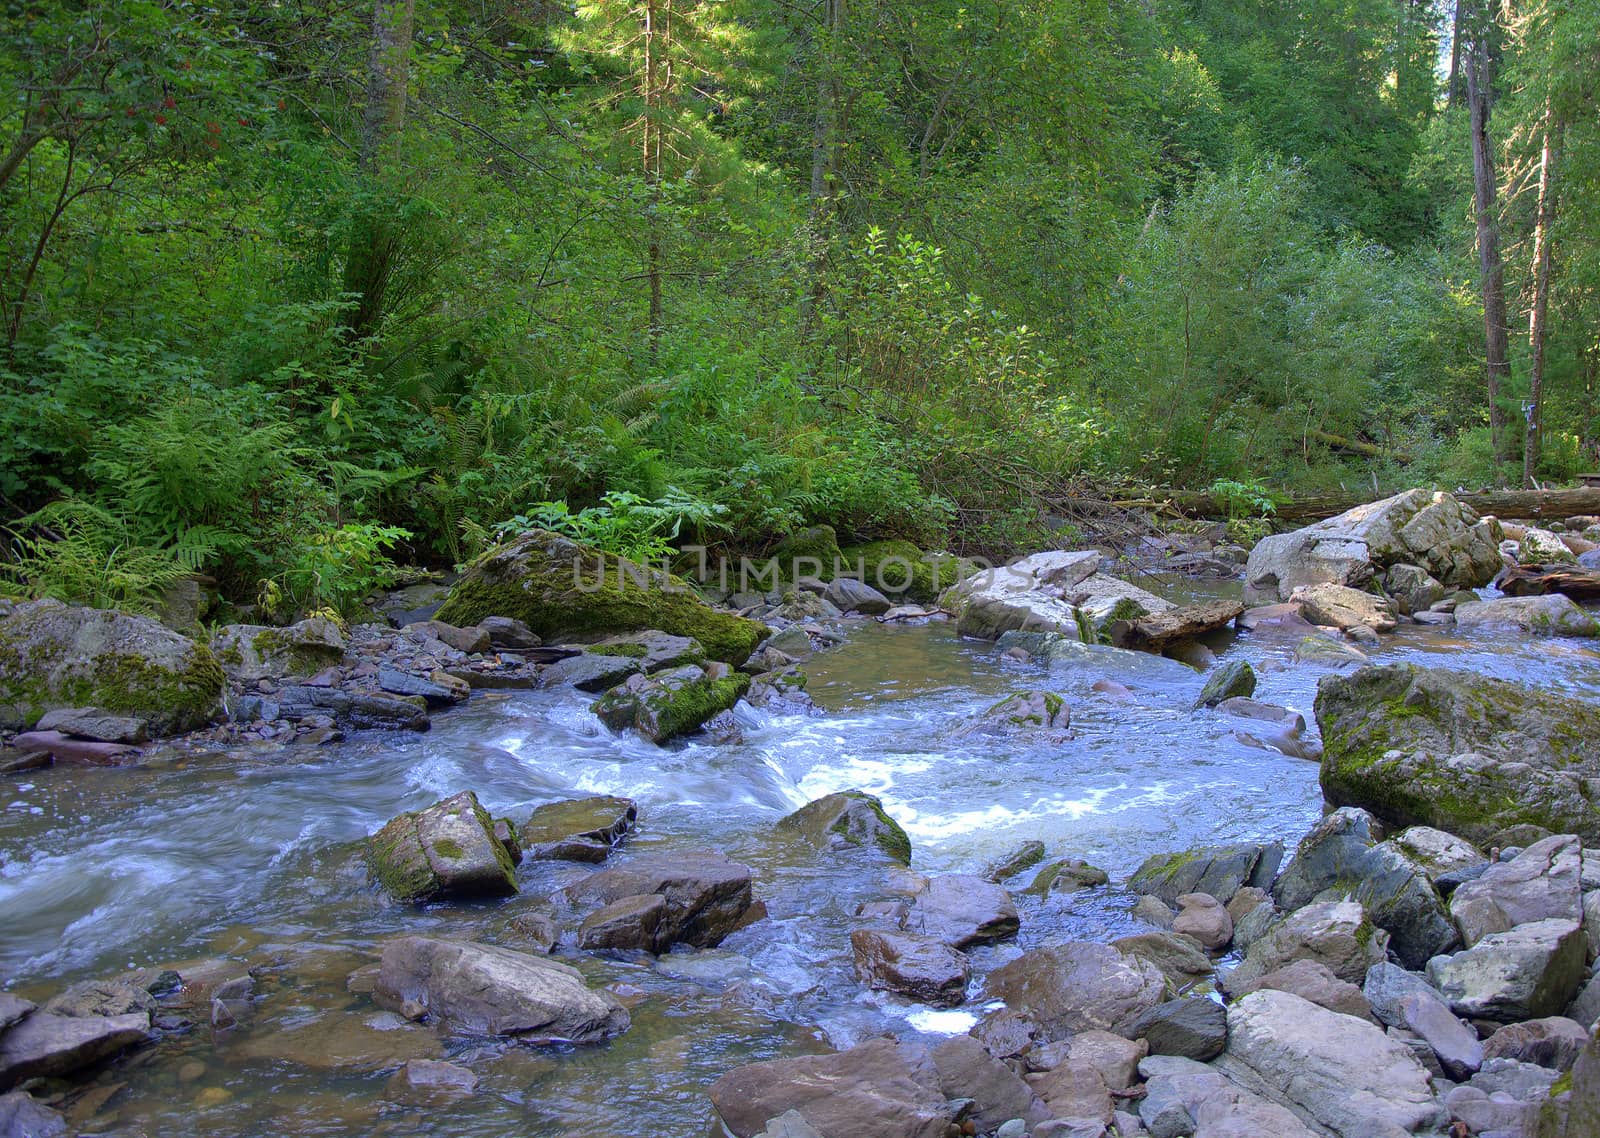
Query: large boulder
[(448, 850), (1340, 606), (1337, 934), (485, 990), (1078, 986), (1341, 858), (578, 829), (1458, 751), (1430, 530), (918, 967), (1056, 591), (250, 652), (1343, 1073), (879, 1089), (962, 911), (1220, 871), (54, 656), (1531, 971), (565, 591), (671, 703), (1553, 614), (849, 819), (46, 1045), (707, 896), (1543, 882)]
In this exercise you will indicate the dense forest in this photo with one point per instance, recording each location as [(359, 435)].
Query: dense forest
[(294, 290)]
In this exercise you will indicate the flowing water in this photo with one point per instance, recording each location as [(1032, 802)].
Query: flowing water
[(257, 857)]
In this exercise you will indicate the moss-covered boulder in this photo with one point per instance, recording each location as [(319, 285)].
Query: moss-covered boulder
[(54, 656), (850, 818), (1025, 711), (904, 572), (565, 591), (252, 651), (1458, 751), (448, 850), (811, 552), (671, 703)]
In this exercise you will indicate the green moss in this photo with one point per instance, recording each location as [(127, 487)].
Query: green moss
[(449, 847), (685, 709), (889, 838), (563, 591), (818, 543), (396, 860), (631, 651)]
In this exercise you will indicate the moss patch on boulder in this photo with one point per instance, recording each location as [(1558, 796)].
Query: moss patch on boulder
[(565, 591)]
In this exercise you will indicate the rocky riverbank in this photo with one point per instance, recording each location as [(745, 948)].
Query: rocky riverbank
[(1420, 963)]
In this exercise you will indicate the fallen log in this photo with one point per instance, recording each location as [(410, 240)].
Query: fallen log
[(1500, 503), (1537, 580), (1155, 632)]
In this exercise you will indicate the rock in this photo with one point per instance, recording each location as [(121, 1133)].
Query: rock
[(1554, 1042), (1342, 607), (250, 652), (1255, 924), (789, 1124), (507, 634), (1153, 911), (967, 1071), (1540, 883), (1411, 588), (469, 639), (1180, 958), (1585, 1006), (1541, 547), (1340, 858), (670, 703), (436, 1075), (631, 923), (54, 656), (53, 745), (1531, 971), (448, 850), (1313, 981), (849, 595), (1235, 679), (1169, 630), (1430, 530), (961, 911), (1195, 1028), (1583, 1102), (651, 650), (1220, 871), (1343, 1073), (901, 570), (1115, 1057), (1337, 934), (1183, 1097), (1553, 614), (357, 708), (434, 694), (45, 1045), (1005, 1033), (1024, 711), (1459, 751), (850, 818), (1387, 985), (1498, 1113), (1276, 619), (484, 990), (1056, 591), (96, 724), (21, 1116), (13, 1009), (1068, 875), (578, 829), (1454, 1044), (1077, 986), (102, 998), (1074, 1089), (537, 931), (1437, 852), (782, 692), (878, 1089), (1028, 854), (589, 671), (1325, 650), (1203, 917), (920, 968), (562, 590), (707, 895)]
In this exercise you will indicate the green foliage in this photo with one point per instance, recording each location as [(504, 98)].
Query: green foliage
[(331, 570), (623, 523)]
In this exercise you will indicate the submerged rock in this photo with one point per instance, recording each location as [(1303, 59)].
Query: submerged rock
[(850, 819), (484, 990), (1458, 751), (1024, 711), (58, 656), (562, 591), (448, 850)]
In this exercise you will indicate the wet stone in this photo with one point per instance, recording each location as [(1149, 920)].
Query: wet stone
[(917, 967), (579, 829)]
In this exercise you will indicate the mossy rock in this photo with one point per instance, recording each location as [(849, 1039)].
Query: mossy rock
[(850, 818), (1461, 752), (671, 703), (901, 571), (54, 656), (565, 591), (449, 850), (818, 544)]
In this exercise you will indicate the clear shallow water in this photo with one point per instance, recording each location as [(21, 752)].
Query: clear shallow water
[(257, 858)]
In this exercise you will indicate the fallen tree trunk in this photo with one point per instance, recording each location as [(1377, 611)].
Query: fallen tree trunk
[(1537, 580), (1500, 503)]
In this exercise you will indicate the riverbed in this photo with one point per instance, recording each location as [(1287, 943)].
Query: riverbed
[(256, 856)]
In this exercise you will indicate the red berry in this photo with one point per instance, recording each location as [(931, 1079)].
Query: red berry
[(170, 103), (161, 120)]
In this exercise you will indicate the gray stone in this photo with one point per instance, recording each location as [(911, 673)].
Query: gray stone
[(1194, 1028), (1436, 851), (485, 990), (850, 595), (396, 682), (589, 671), (1540, 883), (962, 911), (95, 723), (468, 639), (13, 1009), (1220, 871), (89, 998), (1077, 986), (1314, 982), (918, 967), (1074, 1089), (1550, 615), (1412, 588), (23, 1117), (1055, 591), (707, 895), (45, 1045), (1337, 934), (1554, 1042), (1235, 679), (1531, 971), (1180, 958), (670, 703), (508, 634), (578, 829), (1454, 1044), (1344, 608), (448, 850), (437, 1075), (1541, 547), (1388, 985)]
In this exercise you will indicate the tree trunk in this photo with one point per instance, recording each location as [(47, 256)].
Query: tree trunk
[(1497, 362), (1544, 214), (374, 238), (1452, 85), (656, 13), (825, 129)]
